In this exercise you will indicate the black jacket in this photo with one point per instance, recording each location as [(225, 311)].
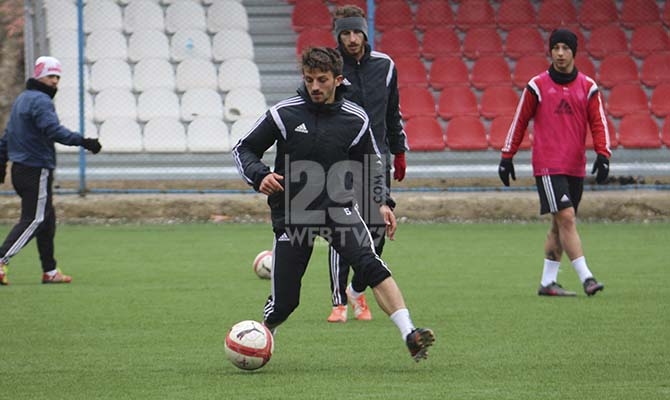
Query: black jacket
[(372, 83), (314, 145)]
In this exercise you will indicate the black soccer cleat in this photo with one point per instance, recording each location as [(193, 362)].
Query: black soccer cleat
[(418, 341), (554, 289), (592, 286)]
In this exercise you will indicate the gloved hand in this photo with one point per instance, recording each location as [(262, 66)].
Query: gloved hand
[(92, 145), (602, 166), (505, 169), (3, 172), (399, 166)]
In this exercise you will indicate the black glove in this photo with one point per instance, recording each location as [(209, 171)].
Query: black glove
[(602, 165), (3, 172), (92, 145), (505, 169)]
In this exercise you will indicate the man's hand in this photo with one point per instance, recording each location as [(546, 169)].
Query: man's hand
[(271, 184), (505, 170), (399, 166), (602, 166), (389, 219), (92, 145)]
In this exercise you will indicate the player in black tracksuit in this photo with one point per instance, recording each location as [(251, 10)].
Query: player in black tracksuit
[(325, 154), (372, 82)]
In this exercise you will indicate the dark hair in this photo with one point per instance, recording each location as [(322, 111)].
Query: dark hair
[(322, 58)]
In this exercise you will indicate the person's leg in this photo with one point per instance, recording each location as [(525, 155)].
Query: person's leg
[(46, 233), (290, 259), (339, 276)]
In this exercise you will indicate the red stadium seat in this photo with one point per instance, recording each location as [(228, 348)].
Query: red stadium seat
[(416, 102), (616, 69), (310, 14), (498, 100), (411, 72), (314, 37), (466, 133), (527, 67), (612, 131), (424, 134), (665, 137), (448, 71), (433, 14), (498, 133), (457, 101), (639, 131), (439, 42), (474, 14), (524, 41), (660, 100), (606, 40), (515, 13), (393, 14), (639, 13), (482, 42), (585, 66), (649, 39), (399, 43), (626, 98), (553, 14), (490, 71), (594, 13), (655, 69)]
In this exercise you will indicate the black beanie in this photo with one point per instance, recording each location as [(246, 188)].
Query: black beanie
[(563, 35)]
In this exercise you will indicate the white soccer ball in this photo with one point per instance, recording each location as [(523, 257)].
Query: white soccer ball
[(263, 264), (249, 345)]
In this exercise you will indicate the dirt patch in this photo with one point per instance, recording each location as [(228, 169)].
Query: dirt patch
[(623, 205)]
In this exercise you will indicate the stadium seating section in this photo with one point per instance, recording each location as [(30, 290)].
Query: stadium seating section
[(180, 75)]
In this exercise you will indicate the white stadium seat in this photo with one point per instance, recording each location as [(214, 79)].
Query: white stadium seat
[(110, 72), (67, 103), (201, 102), (148, 44), (227, 15), (239, 73), (244, 102), (195, 73), (143, 15), (60, 15), (102, 15), (164, 135), (190, 43), (70, 73), (157, 102), (231, 43), (115, 102), (64, 44), (184, 15), (122, 135), (106, 44), (153, 73), (208, 134)]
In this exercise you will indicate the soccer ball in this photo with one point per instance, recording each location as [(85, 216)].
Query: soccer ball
[(263, 264), (249, 345)]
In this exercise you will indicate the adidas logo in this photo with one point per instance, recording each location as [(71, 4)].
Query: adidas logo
[(565, 198), (564, 108), (302, 128), (283, 238)]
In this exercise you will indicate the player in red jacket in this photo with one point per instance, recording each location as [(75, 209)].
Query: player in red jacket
[(562, 102)]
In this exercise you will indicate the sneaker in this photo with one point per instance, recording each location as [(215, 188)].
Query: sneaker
[(3, 275), (59, 277), (554, 289), (339, 314), (360, 306), (418, 341), (592, 286)]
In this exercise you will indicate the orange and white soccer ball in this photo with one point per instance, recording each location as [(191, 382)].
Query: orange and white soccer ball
[(249, 345), (263, 264)]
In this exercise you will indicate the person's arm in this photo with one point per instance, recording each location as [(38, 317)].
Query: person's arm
[(46, 120), (395, 133), (524, 112), (3, 156), (600, 132), (249, 150)]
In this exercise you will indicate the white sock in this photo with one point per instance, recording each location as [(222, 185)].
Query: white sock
[(582, 270), (402, 320), (352, 293), (52, 272), (549, 272)]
